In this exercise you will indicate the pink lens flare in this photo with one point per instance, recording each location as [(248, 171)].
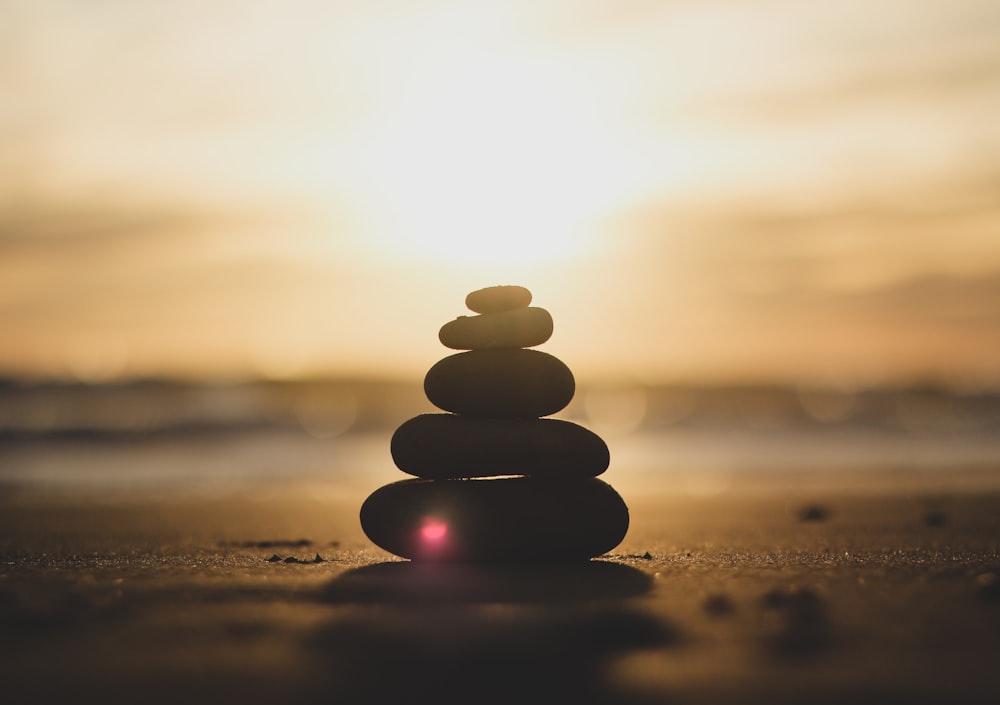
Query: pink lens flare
[(433, 530)]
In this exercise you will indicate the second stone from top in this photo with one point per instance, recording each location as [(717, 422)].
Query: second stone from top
[(494, 299), (517, 328)]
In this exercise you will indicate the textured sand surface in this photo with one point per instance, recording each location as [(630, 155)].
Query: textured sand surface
[(754, 598)]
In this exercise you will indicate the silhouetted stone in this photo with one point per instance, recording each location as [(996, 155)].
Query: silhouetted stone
[(517, 328), (519, 519), (511, 383), (495, 299), (451, 446)]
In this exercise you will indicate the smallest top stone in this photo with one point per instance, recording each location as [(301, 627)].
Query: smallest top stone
[(496, 299)]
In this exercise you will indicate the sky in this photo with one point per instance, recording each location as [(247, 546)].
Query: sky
[(722, 190)]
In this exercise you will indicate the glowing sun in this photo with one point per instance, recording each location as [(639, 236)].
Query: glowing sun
[(493, 162)]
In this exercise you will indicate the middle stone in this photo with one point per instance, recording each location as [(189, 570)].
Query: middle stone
[(504, 383)]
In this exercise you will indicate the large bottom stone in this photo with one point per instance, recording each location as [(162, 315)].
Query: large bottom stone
[(519, 519), (452, 446)]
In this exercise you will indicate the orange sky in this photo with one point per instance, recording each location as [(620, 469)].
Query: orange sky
[(696, 190)]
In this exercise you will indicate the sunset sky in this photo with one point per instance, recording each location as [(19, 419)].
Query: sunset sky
[(719, 190)]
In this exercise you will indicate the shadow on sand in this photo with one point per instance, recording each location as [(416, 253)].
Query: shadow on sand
[(405, 582), (478, 634)]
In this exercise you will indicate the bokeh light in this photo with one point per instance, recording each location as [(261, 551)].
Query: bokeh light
[(433, 531)]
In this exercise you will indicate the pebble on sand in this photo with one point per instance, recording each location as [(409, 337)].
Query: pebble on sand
[(988, 586), (519, 519), (935, 519), (814, 512)]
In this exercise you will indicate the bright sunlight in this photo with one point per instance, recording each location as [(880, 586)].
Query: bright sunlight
[(491, 161)]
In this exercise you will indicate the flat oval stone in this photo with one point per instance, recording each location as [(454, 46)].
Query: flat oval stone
[(452, 446), (503, 383), (517, 328), (514, 519), (495, 299)]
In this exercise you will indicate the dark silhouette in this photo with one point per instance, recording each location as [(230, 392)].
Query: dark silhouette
[(497, 391), (472, 633)]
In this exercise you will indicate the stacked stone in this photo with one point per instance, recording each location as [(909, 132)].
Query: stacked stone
[(498, 482)]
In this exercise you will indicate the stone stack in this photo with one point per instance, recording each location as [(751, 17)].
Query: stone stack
[(498, 483)]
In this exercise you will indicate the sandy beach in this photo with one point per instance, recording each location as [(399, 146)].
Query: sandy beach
[(258, 598)]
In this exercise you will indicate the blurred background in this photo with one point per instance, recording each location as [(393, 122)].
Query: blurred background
[(768, 233)]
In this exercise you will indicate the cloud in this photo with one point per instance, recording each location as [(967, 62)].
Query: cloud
[(934, 300), (773, 245)]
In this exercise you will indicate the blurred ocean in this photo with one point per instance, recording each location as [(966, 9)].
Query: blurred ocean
[(331, 437)]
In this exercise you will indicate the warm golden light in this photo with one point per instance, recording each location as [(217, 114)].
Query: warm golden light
[(492, 160), (719, 190)]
